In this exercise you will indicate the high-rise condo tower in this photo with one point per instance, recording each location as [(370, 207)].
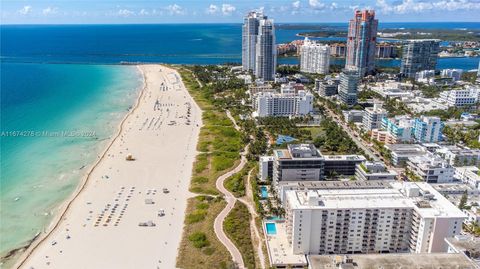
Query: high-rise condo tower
[(361, 42)]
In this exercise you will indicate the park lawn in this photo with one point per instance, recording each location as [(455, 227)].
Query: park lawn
[(237, 228), (199, 247)]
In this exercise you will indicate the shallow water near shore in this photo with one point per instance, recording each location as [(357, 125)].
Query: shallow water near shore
[(55, 121)]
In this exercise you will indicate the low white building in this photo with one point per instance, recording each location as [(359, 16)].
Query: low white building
[(392, 89), (314, 57), (289, 102), (424, 76), (407, 217), (460, 98), (402, 152), (353, 115), (469, 175), (431, 168), (459, 156), (374, 171)]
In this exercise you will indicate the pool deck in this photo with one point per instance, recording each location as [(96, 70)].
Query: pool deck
[(278, 248)]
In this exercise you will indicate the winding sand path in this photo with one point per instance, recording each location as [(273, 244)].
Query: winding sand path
[(218, 224), (230, 199), (100, 225)]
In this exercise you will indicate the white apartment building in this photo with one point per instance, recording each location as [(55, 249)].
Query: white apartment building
[(455, 74), (431, 168), (459, 98), (372, 117), (469, 175), (289, 102), (405, 217), (314, 57)]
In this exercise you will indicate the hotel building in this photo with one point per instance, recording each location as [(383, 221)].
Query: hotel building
[(361, 41), (419, 55), (289, 102), (404, 217), (314, 57), (304, 162)]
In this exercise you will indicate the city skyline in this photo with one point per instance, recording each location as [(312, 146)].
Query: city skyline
[(118, 12)]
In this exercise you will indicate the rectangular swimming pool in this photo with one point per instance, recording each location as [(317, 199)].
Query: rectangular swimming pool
[(264, 191), (271, 228)]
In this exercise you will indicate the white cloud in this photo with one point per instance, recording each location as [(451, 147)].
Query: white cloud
[(125, 12), (212, 9), (25, 10), (143, 12), (49, 11), (316, 4), (175, 9), (228, 9), (296, 5), (407, 6)]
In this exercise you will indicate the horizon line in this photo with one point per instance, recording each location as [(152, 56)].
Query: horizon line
[(173, 23)]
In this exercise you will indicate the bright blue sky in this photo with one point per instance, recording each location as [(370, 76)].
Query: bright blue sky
[(181, 11)]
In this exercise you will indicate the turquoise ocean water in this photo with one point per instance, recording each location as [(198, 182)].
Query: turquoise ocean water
[(55, 120)]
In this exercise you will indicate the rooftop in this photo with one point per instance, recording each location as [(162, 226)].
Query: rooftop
[(394, 261), (421, 196), (294, 151), (278, 247), (466, 243), (378, 184)]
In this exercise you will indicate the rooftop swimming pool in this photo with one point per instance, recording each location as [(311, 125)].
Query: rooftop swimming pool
[(264, 191), (271, 228)]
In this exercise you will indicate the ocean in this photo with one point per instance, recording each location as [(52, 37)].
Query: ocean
[(164, 43), (55, 120), (63, 94)]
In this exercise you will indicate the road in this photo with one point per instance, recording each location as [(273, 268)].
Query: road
[(368, 150)]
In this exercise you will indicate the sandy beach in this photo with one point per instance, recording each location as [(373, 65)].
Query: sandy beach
[(123, 217)]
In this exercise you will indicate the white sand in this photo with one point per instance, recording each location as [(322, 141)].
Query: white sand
[(164, 155)]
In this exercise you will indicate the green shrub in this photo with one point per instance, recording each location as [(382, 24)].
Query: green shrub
[(199, 239)]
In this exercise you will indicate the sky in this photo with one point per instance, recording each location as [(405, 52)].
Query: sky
[(206, 11)]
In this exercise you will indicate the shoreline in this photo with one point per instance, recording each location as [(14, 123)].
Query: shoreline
[(75, 222), (64, 207)]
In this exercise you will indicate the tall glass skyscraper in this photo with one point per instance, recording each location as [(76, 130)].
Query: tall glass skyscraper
[(348, 87), (258, 46), (249, 39), (419, 55), (361, 42)]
